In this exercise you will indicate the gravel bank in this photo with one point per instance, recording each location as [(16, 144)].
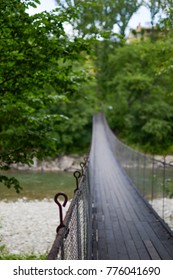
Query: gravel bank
[(28, 226), (158, 203)]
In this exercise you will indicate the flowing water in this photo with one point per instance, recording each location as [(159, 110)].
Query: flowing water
[(38, 185)]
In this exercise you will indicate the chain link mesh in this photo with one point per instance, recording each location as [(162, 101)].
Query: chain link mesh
[(73, 240)]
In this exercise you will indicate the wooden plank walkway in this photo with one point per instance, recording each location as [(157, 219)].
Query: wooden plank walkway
[(123, 225)]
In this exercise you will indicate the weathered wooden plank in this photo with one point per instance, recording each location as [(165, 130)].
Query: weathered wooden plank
[(157, 243), (152, 251), (122, 253), (142, 251)]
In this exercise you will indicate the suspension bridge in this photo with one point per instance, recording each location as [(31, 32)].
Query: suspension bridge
[(111, 215)]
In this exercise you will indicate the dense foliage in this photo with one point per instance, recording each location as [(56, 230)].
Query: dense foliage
[(140, 95), (139, 86), (99, 19), (37, 74)]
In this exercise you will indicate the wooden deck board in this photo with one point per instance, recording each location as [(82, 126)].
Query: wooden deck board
[(124, 226)]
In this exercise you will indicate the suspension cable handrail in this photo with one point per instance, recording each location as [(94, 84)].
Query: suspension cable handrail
[(73, 238), (152, 177)]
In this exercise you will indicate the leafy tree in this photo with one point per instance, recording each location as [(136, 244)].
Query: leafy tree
[(75, 131), (36, 72), (97, 19), (125, 10), (154, 8), (141, 95), (99, 16)]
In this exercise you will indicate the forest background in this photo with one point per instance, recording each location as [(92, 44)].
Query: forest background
[(52, 83)]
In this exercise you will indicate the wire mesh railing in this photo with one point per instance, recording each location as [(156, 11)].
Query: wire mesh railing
[(73, 238), (153, 177)]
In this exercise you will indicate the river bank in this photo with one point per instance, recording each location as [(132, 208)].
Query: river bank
[(62, 163), (28, 226)]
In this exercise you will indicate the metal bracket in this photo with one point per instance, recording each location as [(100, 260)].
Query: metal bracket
[(77, 175), (82, 165), (60, 208)]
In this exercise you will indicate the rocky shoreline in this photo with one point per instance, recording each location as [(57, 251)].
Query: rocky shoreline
[(28, 227), (61, 163)]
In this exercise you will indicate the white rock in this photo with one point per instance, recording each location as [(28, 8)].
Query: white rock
[(65, 163), (28, 226)]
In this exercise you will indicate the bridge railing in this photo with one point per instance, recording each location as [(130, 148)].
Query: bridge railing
[(153, 177), (73, 238)]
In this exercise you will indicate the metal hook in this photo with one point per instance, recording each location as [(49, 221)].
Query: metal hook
[(82, 165), (60, 208), (77, 175)]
